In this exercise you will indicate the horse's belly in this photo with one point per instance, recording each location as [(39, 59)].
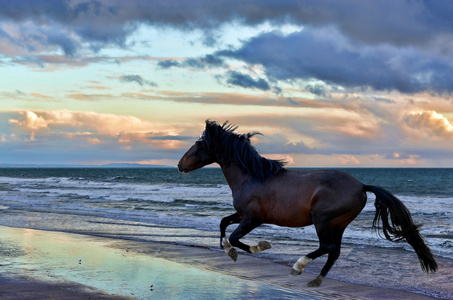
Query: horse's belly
[(290, 217)]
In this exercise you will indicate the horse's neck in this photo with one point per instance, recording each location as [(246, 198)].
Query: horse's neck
[(234, 175)]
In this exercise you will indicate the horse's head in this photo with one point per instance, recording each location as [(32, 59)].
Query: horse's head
[(199, 155)]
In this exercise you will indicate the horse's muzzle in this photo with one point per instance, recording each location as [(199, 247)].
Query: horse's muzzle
[(183, 169)]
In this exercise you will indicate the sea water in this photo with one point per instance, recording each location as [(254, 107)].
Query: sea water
[(159, 204)]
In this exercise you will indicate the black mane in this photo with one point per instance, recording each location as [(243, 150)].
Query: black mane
[(231, 146)]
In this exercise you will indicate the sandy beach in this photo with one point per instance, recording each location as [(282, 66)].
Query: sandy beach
[(54, 265)]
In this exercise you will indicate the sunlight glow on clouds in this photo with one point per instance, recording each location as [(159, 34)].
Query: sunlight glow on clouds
[(431, 123), (329, 83), (104, 124)]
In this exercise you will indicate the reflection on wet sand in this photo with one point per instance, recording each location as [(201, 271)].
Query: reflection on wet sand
[(116, 268)]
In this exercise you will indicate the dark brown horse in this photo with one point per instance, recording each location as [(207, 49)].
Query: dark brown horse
[(265, 192)]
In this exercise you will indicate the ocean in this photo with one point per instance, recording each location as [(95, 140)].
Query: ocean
[(162, 205)]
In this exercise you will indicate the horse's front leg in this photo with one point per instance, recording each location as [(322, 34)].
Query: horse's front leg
[(246, 225), (227, 221)]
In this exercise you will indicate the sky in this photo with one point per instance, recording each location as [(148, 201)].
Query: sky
[(327, 83)]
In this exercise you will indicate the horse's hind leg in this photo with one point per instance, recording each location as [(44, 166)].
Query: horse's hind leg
[(334, 253), (329, 243), (325, 245)]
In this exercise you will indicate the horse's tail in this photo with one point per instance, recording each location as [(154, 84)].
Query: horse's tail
[(401, 226)]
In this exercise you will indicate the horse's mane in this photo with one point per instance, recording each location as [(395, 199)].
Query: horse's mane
[(231, 146)]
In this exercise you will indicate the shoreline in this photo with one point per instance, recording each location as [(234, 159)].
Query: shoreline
[(70, 264)]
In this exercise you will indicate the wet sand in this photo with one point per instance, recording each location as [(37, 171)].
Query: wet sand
[(53, 265), (29, 288)]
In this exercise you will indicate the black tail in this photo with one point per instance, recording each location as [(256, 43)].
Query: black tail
[(401, 226)]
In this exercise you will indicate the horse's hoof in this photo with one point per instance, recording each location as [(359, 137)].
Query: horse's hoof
[(316, 282), (264, 245), (295, 272), (261, 246), (233, 253)]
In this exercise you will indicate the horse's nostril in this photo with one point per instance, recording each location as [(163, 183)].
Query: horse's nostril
[(182, 169), (185, 171)]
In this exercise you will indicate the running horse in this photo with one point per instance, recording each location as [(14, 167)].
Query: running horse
[(266, 192)]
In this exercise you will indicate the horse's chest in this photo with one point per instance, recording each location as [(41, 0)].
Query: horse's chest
[(239, 204), (252, 205)]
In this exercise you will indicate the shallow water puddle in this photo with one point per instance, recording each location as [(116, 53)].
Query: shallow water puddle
[(55, 256)]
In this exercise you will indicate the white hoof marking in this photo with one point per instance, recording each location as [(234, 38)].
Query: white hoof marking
[(300, 265), (229, 250), (261, 246)]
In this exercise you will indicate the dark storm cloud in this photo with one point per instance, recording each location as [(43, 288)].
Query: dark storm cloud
[(327, 55), (386, 45), (101, 22), (56, 37), (137, 79)]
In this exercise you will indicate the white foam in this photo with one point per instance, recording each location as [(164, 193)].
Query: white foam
[(201, 207)]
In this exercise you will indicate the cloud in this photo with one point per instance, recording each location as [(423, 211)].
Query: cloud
[(327, 54), (53, 62), (348, 160), (137, 79), (70, 137), (430, 123), (29, 37), (31, 121), (225, 98), (98, 87), (246, 81), (382, 99), (166, 64), (206, 61), (66, 137), (73, 25), (290, 100), (158, 140), (280, 144), (22, 96), (40, 96), (387, 45), (317, 89), (90, 97), (102, 124)]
